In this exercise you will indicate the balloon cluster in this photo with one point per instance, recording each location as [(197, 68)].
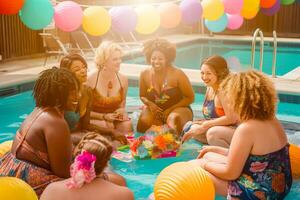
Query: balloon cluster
[(96, 20)]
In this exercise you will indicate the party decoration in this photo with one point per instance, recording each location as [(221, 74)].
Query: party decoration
[(68, 16), (170, 15), (36, 14), (217, 25), (96, 20), (183, 181), (158, 142), (5, 147), (15, 189), (191, 11), (271, 11), (148, 19), (234, 64), (233, 6), (124, 19), (295, 160), (287, 2), (267, 3), (212, 9), (234, 21), (250, 8), (10, 7)]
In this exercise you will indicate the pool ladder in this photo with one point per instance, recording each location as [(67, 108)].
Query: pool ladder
[(261, 35)]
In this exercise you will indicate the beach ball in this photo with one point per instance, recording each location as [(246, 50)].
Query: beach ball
[(12, 188), (96, 20), (287, 2), (267, 3), (68, 16), (250, 8), (148, 20), (5, 147), (123, 19), (170, 15), (273, 10), (295, 160), (183, 181), (191, 11), (10, 7), (212, 9), (37, 14), (234, 21), (218, 25), (233, 6)]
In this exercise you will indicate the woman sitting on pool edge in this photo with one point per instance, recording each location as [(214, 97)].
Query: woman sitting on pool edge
[(216, 127), (257, 163), (79, 120), (88, 179), (109, 91), (164, 89)]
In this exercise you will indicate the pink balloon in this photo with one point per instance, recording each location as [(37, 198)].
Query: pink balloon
[(68, 16), (233, 6), (234, 64), (234, 21)]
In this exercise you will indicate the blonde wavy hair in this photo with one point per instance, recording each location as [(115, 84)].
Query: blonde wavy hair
[(97, 145), (252, 95), (104, 51)]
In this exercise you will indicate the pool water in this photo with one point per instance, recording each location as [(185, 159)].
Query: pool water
[(237, 55), (140, 174)]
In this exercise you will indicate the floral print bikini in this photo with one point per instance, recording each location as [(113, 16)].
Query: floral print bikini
[(263, 177)]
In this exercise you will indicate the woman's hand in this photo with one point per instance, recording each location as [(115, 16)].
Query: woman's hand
[(110, 117), (154, 108), (204, 150), (194, 131), (117, 135)]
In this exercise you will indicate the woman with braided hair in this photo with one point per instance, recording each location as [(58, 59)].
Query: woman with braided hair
[(42, 150), (88, 180)]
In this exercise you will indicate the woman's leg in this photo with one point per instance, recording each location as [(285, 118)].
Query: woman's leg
[(220, 135), (178, 117), (145, 121)]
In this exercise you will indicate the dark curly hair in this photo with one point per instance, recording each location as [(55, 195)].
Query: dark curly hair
[(219, 65), (97, 145), (67, 60), (53, 87), (162, 45)]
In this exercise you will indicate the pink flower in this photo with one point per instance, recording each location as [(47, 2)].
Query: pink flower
[(258, 166)]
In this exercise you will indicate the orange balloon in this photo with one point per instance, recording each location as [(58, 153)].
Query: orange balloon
[(295, 160), (170, 15), (267, 3)]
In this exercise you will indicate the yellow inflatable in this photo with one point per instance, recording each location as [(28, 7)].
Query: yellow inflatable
[(295, 160), (183, 181), (5, 147), (212, 9), (12, 188), (148, 20)]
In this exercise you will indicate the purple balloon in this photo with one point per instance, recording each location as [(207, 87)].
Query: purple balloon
[(124, 19), (191, 11), (271, 11), (298, 1)]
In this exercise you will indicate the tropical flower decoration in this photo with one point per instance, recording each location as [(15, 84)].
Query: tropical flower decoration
[(158, 142)]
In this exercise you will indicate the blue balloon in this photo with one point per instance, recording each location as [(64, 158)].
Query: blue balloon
[(218, 25), (37, 14)]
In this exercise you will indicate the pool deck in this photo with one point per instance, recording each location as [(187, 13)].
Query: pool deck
[(18, 72)]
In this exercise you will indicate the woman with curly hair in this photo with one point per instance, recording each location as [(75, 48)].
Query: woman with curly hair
[(164, 89), (88, 179), (257, 163), (219, 121)]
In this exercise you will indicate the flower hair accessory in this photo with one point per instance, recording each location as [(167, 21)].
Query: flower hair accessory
[(82, 170)]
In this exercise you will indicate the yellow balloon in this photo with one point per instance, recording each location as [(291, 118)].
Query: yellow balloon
[(5, 147), (183, 181), (212, 9), (249, 13), (148, 20), (12, 188), (96, 20)]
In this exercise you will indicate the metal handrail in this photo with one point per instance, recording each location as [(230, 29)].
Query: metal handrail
[(274, 54), (257, 31)]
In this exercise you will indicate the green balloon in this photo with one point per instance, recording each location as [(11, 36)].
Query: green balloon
[(37, 14), (287, 2)]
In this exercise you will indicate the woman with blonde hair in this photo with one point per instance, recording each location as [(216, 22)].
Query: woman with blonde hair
[(257, 163), (109, 90), (216, 127), (88, 180)]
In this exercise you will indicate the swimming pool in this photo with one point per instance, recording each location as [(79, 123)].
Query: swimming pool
[(238, 54), (140, 174)]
